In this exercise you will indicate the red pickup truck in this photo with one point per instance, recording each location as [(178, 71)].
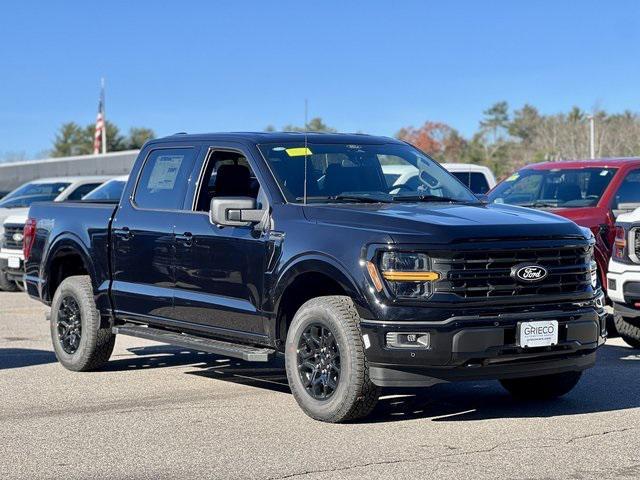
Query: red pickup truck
[(592, 193)]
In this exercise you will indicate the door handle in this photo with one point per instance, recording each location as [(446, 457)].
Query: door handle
[(124, 233), (186, 239)]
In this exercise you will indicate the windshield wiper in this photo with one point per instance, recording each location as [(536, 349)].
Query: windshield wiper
[(353, 197), (364, 198), (539, 205), (427, 198)]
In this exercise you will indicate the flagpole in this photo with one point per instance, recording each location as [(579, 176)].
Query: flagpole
[(104, 119)]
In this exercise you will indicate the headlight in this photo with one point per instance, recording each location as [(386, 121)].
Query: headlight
[(407, 274), (620, 243)]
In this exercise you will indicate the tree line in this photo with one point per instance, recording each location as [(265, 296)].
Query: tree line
[(505, 139), (73, 139)]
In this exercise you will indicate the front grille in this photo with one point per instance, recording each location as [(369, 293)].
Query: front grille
[(635, 233), (9, 241), (488, 273)]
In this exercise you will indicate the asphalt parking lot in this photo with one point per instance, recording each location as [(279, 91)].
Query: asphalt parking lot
[(163, 412)]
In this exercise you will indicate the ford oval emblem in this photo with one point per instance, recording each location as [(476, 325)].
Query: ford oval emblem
[(17, 237), (529, 273)]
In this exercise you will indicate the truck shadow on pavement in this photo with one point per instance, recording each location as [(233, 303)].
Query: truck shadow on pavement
[(610, 385), (24, 357)]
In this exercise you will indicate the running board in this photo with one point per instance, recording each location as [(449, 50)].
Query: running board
[(219, 347)]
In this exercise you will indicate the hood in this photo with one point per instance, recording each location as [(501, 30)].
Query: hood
[(17, 216), (5, 213), (631, 217), (586, 216), (446, 223)]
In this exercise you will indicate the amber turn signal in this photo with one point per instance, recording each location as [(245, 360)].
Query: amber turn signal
[(375, 277)]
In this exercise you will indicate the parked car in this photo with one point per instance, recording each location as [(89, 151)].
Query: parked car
[(478, 178), (13, 214), (109, 191), (252, 244), (592, 193), (623, 278)]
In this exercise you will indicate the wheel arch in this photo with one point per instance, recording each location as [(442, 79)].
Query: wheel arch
[(309, 277), (67, 256)]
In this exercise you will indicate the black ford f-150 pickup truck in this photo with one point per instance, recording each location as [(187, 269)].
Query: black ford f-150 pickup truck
[(252, 244)]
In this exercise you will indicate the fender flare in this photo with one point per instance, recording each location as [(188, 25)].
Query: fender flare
[(73, 243), (317, 263)]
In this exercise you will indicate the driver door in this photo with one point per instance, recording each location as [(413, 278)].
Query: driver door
[(219, 271)]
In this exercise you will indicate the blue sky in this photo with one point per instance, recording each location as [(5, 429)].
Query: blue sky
[(370, 65)]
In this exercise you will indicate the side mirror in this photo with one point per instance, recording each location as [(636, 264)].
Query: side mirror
[(234, 211)]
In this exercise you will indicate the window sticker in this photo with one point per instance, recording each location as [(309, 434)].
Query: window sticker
[(513, 177), (298, 152), (164, 173)]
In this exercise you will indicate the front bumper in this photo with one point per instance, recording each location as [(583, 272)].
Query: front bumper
[(483, 347), (12, 264)]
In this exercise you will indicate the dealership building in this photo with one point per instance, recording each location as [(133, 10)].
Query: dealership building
[(15, 174)]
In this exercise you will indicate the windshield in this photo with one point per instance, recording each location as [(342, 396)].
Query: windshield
[(557, 188), (109, 191), (351, 173), (19, 202), (33, 189)]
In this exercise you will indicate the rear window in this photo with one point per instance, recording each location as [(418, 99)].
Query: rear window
[(163, 182)]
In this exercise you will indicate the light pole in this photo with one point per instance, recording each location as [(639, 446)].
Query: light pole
[(592, 136)]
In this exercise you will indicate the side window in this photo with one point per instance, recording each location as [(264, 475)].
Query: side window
[(628, 195), (163, 183), (82, 190), (227, 174)]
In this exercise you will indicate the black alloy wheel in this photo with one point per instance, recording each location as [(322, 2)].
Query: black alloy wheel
[(69, 325), (319, 361)]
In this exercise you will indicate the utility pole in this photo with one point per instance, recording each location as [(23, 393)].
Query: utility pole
[(592, 136)]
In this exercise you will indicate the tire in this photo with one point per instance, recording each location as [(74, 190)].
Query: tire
[(629, 332), (95, 344), (354, 395), (545, 387), (7, 285)]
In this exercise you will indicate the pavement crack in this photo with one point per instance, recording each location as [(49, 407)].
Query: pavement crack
[(342, 469), (598, 434)]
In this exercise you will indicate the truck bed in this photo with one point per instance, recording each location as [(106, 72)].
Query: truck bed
[(86, 223)]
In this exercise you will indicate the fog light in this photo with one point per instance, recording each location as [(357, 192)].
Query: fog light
[(408, 340)]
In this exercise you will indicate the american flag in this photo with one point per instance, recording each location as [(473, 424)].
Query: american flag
[(99, 137)]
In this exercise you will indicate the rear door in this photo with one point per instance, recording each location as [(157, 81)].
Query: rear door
[(143, 237), (220, 271)]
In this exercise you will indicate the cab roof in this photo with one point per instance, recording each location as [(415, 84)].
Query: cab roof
[(277, 137), (592, 163)]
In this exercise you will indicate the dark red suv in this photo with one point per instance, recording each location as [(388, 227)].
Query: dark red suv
[(592, 193)]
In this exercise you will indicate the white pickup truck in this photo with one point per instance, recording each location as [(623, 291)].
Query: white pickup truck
[(14, 209), (623, 277)]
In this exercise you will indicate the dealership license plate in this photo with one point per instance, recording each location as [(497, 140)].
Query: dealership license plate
[(13, 262), (538, 334)]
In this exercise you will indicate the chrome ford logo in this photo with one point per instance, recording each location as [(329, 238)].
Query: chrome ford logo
[(529, 273), (17, 237)]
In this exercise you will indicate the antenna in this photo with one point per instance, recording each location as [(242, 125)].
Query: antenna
[(304, 194)]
